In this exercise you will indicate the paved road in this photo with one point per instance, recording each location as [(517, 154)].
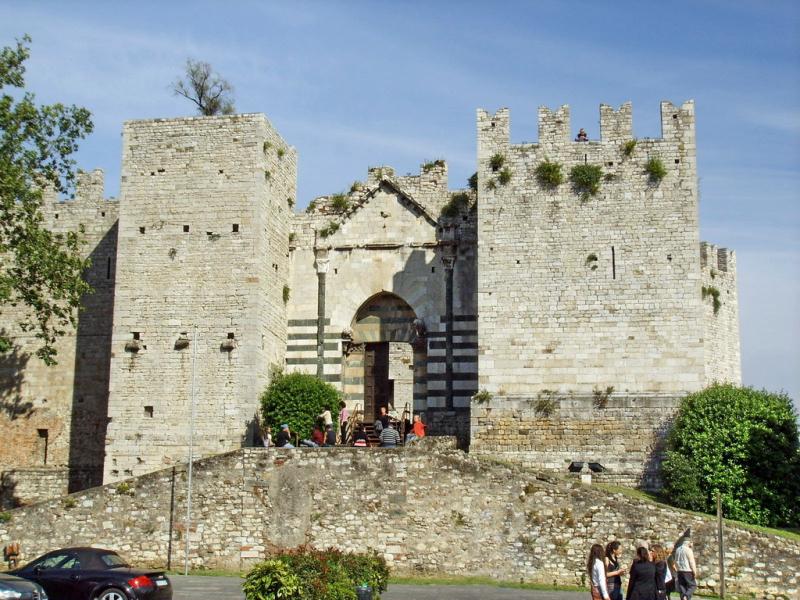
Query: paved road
[(230, 588)]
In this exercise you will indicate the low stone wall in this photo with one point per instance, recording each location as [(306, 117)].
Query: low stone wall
[(548, 432), (30, 485), (428, 508)]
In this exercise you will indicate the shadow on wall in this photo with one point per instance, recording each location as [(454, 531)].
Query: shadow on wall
[(8, 496), (12, 369), (92, 369), (651, 474)]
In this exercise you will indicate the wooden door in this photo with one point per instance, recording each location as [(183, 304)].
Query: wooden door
[(376, 379)]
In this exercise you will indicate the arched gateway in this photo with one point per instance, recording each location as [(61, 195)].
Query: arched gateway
[(385, 357)]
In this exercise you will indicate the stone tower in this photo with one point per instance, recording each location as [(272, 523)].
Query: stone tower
[(202, 265)]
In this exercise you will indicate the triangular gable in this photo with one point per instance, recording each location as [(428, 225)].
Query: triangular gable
[(421, 232)]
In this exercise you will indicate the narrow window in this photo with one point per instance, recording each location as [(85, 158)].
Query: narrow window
[(148, 411), (108, 267), (613, 263), (230, 335), (43, 438), (103, 214), (433, 269), (136, 335), (185, 229), (235, 228), (141, 230), (56, 215)]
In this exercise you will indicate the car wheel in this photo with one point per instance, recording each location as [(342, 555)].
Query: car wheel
[(112, 594)]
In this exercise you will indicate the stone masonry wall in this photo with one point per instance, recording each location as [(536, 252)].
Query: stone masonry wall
[(576, 294), (203, 243), (55, 417), (623, 433), (721, 326), (427, 509)]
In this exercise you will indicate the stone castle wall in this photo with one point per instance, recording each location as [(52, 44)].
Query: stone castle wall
[(622, 436), (574, 293), (429, 510), (203, 247), (55, 417), (721, 325)]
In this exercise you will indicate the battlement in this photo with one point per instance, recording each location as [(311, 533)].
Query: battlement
[(720, 259), (555, 129), (89, 207)]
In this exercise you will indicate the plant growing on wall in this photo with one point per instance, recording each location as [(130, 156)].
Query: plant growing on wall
[(312, 206), (292, 237), (266, 147), (280, 152), (356, 186), (491, 184), (710, 290), (340, 203), (286, 293), (497, 161), (5, 517), (742, 443), (549, 174), (600, 397), (431, 164), (290, 202), (545, 404), (332, 228), (482, 397), (472, 182), (655, 169), (586, 180), (458, 202), (505, 176), (628, 147), (591, 261)]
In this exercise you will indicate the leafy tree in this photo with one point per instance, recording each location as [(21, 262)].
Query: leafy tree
[(40, 272), (297, 399), (742, 443), (211, 93)]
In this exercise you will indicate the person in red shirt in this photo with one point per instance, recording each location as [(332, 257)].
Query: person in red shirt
[(417, 430)]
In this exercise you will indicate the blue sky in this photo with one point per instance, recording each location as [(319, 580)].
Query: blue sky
[(354, 84)]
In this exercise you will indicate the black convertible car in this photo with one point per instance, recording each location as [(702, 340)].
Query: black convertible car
[(94, 574)]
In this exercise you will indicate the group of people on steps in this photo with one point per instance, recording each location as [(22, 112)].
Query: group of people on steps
[(323, 434), (654, 574)]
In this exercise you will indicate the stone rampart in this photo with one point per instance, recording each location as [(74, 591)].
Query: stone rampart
[(622, 436), (428, 509)]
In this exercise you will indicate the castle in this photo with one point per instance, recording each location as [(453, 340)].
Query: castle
[(541, 318)]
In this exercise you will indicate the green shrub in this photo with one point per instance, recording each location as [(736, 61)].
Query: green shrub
[(281, 152), (340, 203), (458, 202), (312, 206), (429, 166), (292, 237), (332, 228), (482, 397), (297, 399), (549, 174), (504, 177), (742, 443), (5, 517), (309, 574), (628, 147), (271, 580), (355, 187), (655, 169), (473, 182), (491, 184), (287, 292), (497, 161), (586, 180)]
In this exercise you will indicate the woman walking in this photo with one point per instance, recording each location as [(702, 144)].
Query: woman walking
[(597, 573), (642, 582), (663, 574), (614, 572)]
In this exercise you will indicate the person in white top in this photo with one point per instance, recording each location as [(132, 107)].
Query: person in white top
[(597, 571), (686, 582)]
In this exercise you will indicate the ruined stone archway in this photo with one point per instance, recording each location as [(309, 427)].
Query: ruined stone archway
[(385, 357)]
